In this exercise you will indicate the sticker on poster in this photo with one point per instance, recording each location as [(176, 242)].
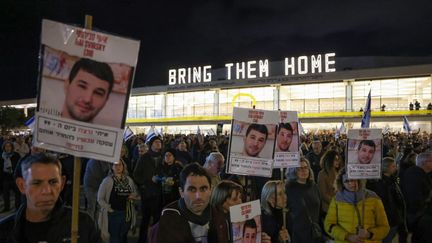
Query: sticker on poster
[(246, 222), (252, 142), (287, 141), (364, 153), (85, 79)]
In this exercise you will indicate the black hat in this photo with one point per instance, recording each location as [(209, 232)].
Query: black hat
[(152, 139), (172, 151)]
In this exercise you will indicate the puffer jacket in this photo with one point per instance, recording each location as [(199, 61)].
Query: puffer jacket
[(343, 219)]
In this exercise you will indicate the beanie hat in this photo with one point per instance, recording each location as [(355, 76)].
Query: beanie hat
[(172, 151), (152, 139)]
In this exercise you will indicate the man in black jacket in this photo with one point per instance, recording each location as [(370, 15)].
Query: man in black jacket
[(416, 186), (145, 175), (43, 217)]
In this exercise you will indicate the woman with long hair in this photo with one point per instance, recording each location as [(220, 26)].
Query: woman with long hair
[(116, 196), (331, 162), (303, 204)]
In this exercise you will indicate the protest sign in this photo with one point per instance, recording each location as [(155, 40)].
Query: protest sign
[(85, 79), (287, 141), (246, 222), (364, 153), (252, 142)]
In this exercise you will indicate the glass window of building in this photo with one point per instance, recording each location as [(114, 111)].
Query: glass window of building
[(244, 98), (148, 106), (312, 98), (395, 94), (198, 103)]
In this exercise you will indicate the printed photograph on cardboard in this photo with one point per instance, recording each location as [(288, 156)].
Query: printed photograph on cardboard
[(253, 139), (248, 231), (83, 89), (287, 138), (364, 151)]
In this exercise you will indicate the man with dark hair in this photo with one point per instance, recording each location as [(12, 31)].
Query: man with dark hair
[(146, 177), (187, 220), (284, 137), (366, 151), (255, 139), (249, 231), (43, 218), (87, 90)]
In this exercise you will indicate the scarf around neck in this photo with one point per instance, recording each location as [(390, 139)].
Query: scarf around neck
[(202, 219)]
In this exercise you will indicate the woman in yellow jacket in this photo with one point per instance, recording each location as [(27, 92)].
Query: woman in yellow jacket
[(355, 214)]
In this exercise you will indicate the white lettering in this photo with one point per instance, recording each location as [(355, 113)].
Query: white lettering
[(172, 80), (240, 70), (251, 68), (207, 73), (329, 62), (197, 75), (290, 66), (182, 75), (302, 65), (316, 63), (263, 68), (229, 66)]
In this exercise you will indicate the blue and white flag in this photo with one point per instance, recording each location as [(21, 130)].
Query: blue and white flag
[(340, 130), (198, 130), (406, 125), (301, 129), (367, 113), (128, 133), (152, 133), (30, 123)]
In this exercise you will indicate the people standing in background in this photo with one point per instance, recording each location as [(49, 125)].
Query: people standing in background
[(8, 164), (388, 189), (304, 203), (145, 175), (273, 202), (116, 197), (96, 171)]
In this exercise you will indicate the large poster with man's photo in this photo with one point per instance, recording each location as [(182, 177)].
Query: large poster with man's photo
[(246, 222), (287, 141), (252, 142), (85, 79), (364, 153)]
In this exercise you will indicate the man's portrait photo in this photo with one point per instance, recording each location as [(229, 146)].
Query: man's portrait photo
[(253, 140), (83, 89), (364, 151), (287, 137), (87, 90)]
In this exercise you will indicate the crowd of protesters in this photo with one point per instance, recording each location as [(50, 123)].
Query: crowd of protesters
[(178, 186)]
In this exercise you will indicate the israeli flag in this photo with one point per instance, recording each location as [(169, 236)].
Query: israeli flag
[(406, 125), (30, 123), (340, 130), (367, 112), (301, 129), (152, 133), (128, 133)]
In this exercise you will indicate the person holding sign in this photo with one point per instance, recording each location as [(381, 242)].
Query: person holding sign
[(284, 137), (273, 201), (44, 218), (255, 139), (365, 151), (87, 90), (355, 214), (225, 194)]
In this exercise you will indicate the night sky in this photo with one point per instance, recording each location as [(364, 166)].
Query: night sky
[(189, 33)]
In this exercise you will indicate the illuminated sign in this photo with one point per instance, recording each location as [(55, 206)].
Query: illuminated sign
[(301, 65)]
